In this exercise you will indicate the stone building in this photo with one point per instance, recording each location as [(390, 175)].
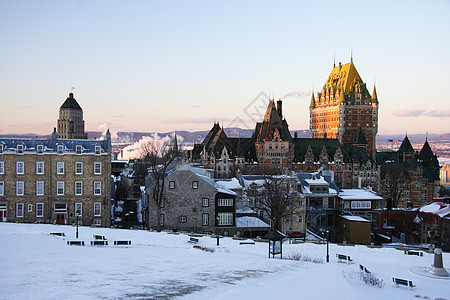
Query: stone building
[(192, 202), (49, 180), (409, 178), (343, 107), (70, 123)]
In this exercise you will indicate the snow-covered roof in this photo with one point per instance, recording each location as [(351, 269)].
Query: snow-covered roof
[(231, 184), (316, 181), (355, 218), (438, 208), (250, 222), (226, 191), (358, 194)]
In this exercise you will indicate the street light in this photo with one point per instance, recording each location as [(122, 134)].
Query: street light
[(217, 233), (328, 235), (77, 213), (129, 217)]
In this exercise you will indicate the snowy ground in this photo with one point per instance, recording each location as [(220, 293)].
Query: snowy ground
[(35, 265)]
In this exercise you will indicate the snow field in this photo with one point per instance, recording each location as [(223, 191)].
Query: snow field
[(36, 265)]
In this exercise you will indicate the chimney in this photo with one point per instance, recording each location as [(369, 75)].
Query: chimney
[(71, 95), (296, 135), (54, 134), (280, 108)]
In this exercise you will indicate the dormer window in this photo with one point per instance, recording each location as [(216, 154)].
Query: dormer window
[(78, 149), (1, 148), (98, 149), (19, 149), (60, 149), (40, 149)]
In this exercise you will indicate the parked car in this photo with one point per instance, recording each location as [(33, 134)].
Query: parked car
[(296, 235)]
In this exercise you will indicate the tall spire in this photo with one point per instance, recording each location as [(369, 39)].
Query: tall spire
[(374, 95), (175, 144), (313, 101)]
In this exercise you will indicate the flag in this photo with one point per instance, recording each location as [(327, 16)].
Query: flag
[(72, 88)]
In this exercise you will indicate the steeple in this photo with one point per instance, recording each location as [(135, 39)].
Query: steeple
[(406, 146), (175, 144), (313, 101), (374, 95)]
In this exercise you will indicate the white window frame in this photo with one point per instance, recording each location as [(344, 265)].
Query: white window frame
[(97, 222), (205, 219), (60, 167), (39, 188), (2, 188), (20, 168), (225, 218), (20, 188), (40, 149), (60, 188), (97, 187), (78, 188), (30, 208), (40, 165), (195, 184), (98, 168), (19, 210), (182, 219), (78, 205), (98, 150), (39, 210), (20, 149), (205, 202), (1, 148), (97, 209), (225, 202), (79, 168), (300, 219), (2, 167), (171, 185)]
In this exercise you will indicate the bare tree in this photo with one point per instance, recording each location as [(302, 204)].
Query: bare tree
[(395, 180), (158, 158), (276, 196)]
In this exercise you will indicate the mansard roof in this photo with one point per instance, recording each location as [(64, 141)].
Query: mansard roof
[(301, 147), (50, 145), (71, 103), (406, 146)]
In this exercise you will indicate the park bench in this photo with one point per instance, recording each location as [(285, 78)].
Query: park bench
[(409, 252), (57, 233), (99, 243), (193, 240), (99, 237), (403, 282), (363, 269), (345, 258), (246, 243), (75, 243), (122, 243)]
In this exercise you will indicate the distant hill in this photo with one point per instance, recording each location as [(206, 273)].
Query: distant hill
[(197, 136)]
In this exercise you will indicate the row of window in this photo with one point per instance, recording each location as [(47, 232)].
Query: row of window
[(20, 188), (287, 219), (20, 208), (20, 167), (60, 149), (225, 219), (194, 185)]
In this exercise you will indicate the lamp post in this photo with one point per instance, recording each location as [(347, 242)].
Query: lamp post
[(77, 213), (328, 255), (217, 233)]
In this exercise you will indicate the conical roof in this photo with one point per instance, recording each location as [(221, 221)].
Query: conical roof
[(406, 146), (426, 153), (71, 103), (360, 138)]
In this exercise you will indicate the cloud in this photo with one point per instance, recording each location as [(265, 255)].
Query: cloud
[(155, 140), (442, 113), (439, 113), (190, 120), (297, 94), (195, 106), (409, 113)]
